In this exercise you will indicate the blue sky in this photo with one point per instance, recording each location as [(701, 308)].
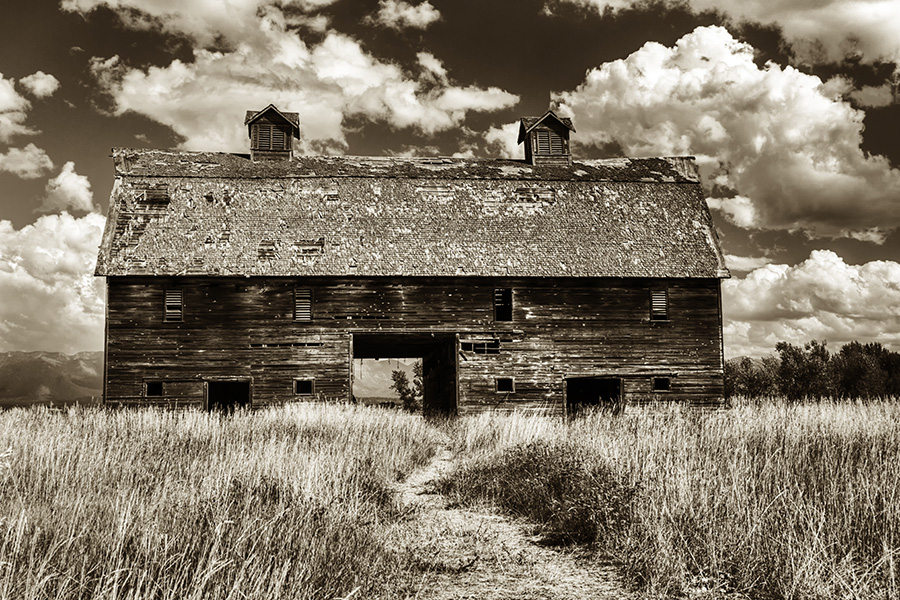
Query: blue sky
[(791, 109)]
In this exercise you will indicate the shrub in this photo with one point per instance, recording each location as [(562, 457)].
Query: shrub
[(571, 496)]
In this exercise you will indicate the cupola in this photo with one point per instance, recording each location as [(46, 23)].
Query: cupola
[(546, 139), (272, 133)]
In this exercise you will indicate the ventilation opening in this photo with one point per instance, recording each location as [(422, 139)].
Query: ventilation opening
[(584, 395)]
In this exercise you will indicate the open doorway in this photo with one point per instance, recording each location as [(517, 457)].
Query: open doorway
[(436, 352), (585, 394), (227, 396)]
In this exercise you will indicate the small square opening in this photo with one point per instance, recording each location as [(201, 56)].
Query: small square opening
[(304, 387), (153, 388), (662, 384), (506, 384)]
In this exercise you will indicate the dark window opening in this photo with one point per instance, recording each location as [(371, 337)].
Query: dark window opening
[(662, 384), (304, 387), (503, 304), (174, 309), (153, 389), (303, 304), (659, 305), (506, 384)]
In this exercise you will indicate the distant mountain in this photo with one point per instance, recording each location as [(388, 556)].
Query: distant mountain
[(29, 378)]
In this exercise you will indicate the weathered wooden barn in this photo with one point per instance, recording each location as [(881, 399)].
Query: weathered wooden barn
[(545, 283)]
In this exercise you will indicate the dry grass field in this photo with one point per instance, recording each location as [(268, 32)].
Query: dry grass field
[(768, 501)]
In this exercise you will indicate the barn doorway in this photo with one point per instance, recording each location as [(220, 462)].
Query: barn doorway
[(586, 394), (437, 352), (227, 396)]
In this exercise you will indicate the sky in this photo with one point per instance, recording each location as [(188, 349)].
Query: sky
[(790, 107)]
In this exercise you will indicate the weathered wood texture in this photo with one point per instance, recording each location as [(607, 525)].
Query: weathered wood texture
[(244, 329)]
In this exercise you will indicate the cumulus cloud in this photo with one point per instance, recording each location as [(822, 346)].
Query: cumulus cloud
[(204, 100), (40, 84), (49, 298), (821, 298), (29, 162), (777, 148), (13, 111), (502, 141), (398, 14), (68, 190), (821, 31)]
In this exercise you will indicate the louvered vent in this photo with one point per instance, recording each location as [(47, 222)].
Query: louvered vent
[(659, 305), (174, 311), (302, 304)]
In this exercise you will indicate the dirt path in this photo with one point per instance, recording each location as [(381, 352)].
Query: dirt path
[(478, 555)]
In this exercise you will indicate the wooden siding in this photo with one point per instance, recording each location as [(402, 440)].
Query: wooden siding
[(244, 329)]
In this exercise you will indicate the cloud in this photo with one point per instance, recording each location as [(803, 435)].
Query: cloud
[(819, 32), (208, 23), (502, 141), (68, 190), (398, 14), (777, 148), (49, 298), (13, 111), (204, 101), (40, 84), (821, 298), (29, 162), (745, 263), (875, 96)]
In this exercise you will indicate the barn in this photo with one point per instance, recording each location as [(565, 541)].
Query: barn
[(547, 283)]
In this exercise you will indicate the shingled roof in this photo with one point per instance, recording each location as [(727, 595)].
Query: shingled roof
[(201, 213)]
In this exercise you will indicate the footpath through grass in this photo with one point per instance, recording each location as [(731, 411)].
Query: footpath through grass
[(284, 503), (775, 501)]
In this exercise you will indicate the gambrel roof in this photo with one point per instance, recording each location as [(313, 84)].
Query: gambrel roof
[(204, 213)]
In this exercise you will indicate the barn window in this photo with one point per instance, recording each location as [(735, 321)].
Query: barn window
[(659, 305), (503, 304), (548, 142), (270, 137), (302, 304), (662, 384), (304, 387), (506, 385), (153, 388), (174, 307)]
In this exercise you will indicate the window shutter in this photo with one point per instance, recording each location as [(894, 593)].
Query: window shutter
[(542, 139), (659, 305), (302, 304), (277, 138), (265, 137), (556, 144), (174, 306)]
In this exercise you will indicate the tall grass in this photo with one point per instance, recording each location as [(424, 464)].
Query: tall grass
[(774, 500), (283, 503)]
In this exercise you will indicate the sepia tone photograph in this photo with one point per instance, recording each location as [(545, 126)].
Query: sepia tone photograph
[(445, 300)]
